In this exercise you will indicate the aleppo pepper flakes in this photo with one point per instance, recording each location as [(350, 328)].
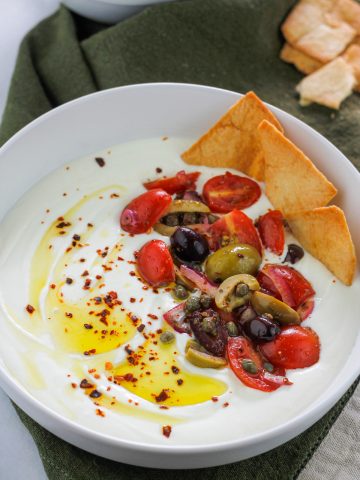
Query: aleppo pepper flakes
[(163, 395), (166, 430), (100, 161), (95, 394), (30, 309), (86, 384)]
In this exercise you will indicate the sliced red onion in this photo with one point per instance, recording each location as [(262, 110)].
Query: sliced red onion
[(199, 280)]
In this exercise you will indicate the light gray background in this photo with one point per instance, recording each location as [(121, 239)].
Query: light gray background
[(338, 457)]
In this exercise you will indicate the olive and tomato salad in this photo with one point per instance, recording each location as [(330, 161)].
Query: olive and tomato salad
[(236, 310)]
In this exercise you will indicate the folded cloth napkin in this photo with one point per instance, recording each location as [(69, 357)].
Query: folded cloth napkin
[(232, 44)]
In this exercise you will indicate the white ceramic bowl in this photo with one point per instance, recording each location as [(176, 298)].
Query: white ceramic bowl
[(109, 11), (97, 121)]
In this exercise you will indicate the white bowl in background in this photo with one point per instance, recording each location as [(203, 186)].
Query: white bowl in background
[(97, 121), (109, 11)]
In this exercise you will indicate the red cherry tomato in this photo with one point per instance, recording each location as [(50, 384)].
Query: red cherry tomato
[(228, 192), (155, 264), (235, 226), (178, 184), (294, 347), (144, 211), (239, 349), (271, 230), (285, 283)]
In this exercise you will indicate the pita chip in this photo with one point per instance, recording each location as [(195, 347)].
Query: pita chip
[(324, 233), (305, 17), (233, 142), (349, 12), (292, 182), (326, 42), (352, 57), (304, 63), (329, 85)]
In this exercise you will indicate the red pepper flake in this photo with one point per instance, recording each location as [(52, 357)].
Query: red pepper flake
[(141, 327), (69, 281), (90, 352), (74, 385), (63, 224), (128, 350), (158, 170), (85, 384), (85, 273), (53, 286), (132, 300), (180, 381), (87, 284), (88, 326), (100, 161), (82, 260), (175, 370), (164, 407), (114, 195), (100, 413), (108, 366), (95, 394), (153, 317), (68, 315), (30, 309), (132, 273), (163, 395), (226, 404), (166, 430), (214, 399)]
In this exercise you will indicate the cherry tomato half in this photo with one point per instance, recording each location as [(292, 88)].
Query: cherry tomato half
[(155, 264), (144, 211), (239, 349), (178, 184), (224, 193), (235, 226), (271, 230), (294, 347)]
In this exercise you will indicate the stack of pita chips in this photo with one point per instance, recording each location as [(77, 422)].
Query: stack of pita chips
[(323, 41), (250, 138)]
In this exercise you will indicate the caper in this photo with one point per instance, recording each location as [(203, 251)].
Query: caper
[(167, 337), (269, 367), (249, 366), (241, 290), (225, 296), (193, 303), (172, 220), (205, 300), (232, 329), (180, 292), (208, 325), (232, 260)]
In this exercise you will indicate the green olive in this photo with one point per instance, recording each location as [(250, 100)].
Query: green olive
[(228, 296), (195, 345), (281, 312), (232, 260), (204, 360)]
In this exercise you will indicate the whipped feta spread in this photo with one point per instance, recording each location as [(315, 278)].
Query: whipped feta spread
[(62, 252)]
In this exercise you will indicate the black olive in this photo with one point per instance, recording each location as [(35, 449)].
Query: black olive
[(214, 340), (261, 329), (189, 245), (294, 253)]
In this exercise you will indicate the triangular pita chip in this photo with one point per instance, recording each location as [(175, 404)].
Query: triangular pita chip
[(305, 17), (348, 11), (292, 182), (352, 57), (233, 142), (326, 42), (304, 63), (329, 85), (324, 233)]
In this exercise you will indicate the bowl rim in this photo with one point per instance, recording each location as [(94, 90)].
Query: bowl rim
[(297, 424)]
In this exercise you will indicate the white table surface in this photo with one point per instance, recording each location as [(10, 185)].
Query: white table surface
[(336, 458)]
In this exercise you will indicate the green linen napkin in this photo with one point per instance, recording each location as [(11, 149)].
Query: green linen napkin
[(232, 44)]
